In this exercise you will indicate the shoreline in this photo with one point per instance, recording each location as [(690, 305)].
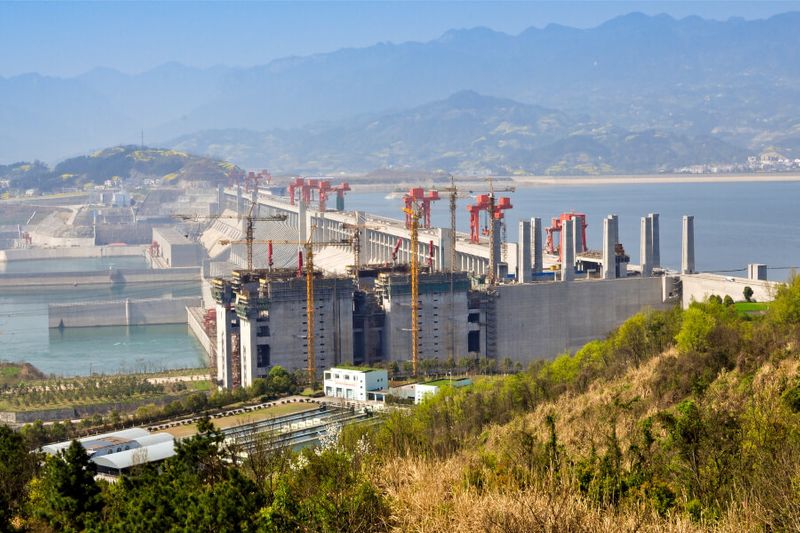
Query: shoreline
[(575, 181)]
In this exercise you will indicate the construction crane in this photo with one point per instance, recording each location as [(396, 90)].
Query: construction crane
[(452, 191), (308, 269), (417, 196), (413, 214), (494, 208), (250, 221)]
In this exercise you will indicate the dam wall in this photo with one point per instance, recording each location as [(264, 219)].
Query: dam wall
[(541, 320), (121, 312), (111, 277), (698, 287), (71, 252)]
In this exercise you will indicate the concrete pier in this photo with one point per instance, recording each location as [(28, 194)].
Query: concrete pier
[(536, 228), (524, 252), (609, 242), (497, 228), (687, 245), (646, 247), (568, 250), (302, 229), (655, 240)]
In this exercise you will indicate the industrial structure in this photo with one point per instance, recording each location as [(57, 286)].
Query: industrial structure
[(412, 292)]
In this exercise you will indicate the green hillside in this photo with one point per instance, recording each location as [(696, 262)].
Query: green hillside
[(120, 162)]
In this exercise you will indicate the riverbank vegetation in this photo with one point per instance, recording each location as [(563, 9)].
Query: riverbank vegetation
[(677, 421)]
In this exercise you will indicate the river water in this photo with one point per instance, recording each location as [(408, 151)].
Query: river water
[(25, 336), (735, 223)]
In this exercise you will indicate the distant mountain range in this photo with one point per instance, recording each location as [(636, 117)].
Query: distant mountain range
[(639, 92), (466, 133)]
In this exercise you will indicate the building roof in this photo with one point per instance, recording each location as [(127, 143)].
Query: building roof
[(89, 443), (356, 368), (171, 235), (441, 382), (145, 454)]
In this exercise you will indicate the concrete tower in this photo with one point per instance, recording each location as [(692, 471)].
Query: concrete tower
[(615, 218), (568, 250), (646, 247), (609, 242), (524, 252), (687, 245), (536, 228), (655, 240)]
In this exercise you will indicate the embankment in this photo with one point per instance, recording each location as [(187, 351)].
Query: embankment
[(121, 312), (109, 277), (195, 318), (71, 252)]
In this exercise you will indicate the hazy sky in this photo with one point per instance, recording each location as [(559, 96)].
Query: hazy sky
[(67, 38)]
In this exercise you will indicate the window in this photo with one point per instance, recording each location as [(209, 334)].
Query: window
[(263, 331), (327, 375), (262, 355)]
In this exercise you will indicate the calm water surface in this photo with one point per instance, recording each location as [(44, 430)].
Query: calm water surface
[(25, 336), (735, 223)]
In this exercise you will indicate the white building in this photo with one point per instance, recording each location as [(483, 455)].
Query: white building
[(421, 390), (356, 383)]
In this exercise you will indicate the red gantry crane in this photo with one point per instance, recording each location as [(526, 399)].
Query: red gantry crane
[(553, 244), (418, 196)]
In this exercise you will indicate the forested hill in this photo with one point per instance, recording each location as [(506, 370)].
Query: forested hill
[(679, 421), (120, 162)]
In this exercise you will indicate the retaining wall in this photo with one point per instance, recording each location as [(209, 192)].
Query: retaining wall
[(698, 287), (121, 312), (112, 277), (195, 319), (73, 252)]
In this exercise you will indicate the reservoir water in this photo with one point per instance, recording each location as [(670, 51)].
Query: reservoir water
[(735, 223), (25, 336)]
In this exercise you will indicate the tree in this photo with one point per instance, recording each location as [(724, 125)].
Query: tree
[(16, 470), (748, 293), (67, 496), (727, 301), (695, 330)]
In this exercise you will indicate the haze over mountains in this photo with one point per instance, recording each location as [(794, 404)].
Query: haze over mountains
[(636, 94)]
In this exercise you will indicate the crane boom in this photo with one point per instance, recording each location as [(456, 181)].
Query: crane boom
[(308, 246)]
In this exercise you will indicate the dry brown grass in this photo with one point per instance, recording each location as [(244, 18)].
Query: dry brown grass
[(431, 495)]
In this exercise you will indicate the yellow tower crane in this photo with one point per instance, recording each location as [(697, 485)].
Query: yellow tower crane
[(308, 247), (414, 212)]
